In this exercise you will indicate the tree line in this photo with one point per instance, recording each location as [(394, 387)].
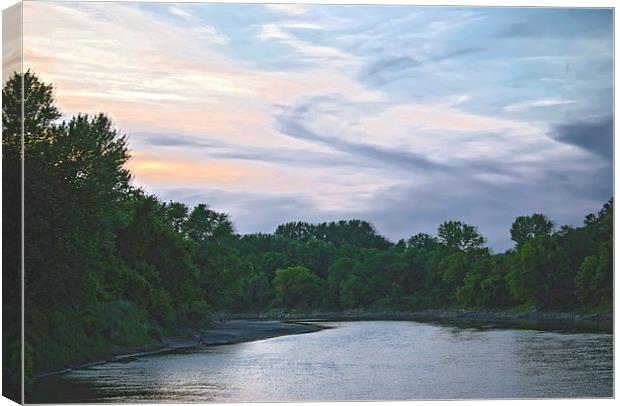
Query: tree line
[(108, 264)]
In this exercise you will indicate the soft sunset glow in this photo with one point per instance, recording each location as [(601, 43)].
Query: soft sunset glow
[(391, 114)]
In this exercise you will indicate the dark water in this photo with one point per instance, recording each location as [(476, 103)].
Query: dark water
[(364, 360)]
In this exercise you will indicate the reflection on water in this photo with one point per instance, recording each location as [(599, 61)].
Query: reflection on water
[(365, 360)]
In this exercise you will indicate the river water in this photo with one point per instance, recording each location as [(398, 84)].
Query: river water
[(361, 360)]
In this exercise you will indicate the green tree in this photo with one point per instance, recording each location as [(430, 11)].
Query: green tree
[(298, 287), (215, 255), (204, 224), (594, 280), (75, 186), (36, 98), (525, 228), (39, 109), (337, 273), (374, 277), (422, 241), (460, 236), (160, 258), (176, 214), (257, 292), (462, 273), (541, 274), (485, 286), (75, 181)]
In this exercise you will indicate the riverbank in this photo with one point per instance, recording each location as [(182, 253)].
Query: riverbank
[(528, 319), (222, 333), (251, 327), (357, 361)]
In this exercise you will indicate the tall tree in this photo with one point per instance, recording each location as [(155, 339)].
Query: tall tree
[(27, 92), (527, 227), (215, 255), (460, 236), (38, 106)]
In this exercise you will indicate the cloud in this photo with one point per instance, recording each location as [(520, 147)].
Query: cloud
[(289, 157), (11, 41), (555, 22), (161, 169), (220, 150), (289, 125), (423, 140), (594, 135), (538, 103), (290, 9), (405, 210), (386, 70), (404, 116), (390, 65), (177, 11), (402, 210), (176, 140), (282, 33), (171, 81), (252, 211), (443, 116)]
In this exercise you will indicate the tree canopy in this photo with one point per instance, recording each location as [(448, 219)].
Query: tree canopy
[(458, 235), (526, 228)]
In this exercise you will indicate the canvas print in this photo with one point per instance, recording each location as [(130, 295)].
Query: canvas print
[(228, 202)]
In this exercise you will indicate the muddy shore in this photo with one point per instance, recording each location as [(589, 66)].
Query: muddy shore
[(218, 333), (236, 328)]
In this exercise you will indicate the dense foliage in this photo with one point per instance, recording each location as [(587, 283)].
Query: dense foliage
[(108, 264)]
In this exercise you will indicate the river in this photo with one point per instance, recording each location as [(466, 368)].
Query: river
[(361, 360)]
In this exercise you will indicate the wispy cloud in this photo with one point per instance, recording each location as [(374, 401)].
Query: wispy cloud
[(11, 41), (288, 124), (406, 116), (538, 103), (282, 33), (291, 9), (178, 11), (393, 68)]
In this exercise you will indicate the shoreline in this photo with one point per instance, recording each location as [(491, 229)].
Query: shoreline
[(275, 323), (230, 332), (536, 319)]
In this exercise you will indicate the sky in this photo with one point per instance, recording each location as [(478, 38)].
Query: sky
[(404, 116)]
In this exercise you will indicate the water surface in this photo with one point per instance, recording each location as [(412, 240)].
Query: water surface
[(362, 360)]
